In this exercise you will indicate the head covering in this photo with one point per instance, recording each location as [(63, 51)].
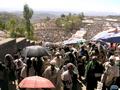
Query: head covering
[(70, 65), (83, 58), (93, 53), (33, 58), (94, 57), (8, 57), (53, 62), (57, 53), (112, 58)]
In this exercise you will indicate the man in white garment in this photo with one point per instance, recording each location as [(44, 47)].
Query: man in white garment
[(52, 73), (69, 78), (59, 60), (111, 73)]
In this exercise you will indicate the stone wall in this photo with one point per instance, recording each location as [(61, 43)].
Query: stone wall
[(21, 43), (7, 46), (11, 46)]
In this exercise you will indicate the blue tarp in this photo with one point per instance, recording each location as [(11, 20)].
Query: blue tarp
[(112, 36)]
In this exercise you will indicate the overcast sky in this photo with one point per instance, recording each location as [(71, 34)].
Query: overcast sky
[(62, 5)]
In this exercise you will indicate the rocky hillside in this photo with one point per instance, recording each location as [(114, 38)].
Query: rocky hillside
[(48, 31)]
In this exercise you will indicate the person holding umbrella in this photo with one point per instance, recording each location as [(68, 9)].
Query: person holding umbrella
[(39, 66), (28, 69)]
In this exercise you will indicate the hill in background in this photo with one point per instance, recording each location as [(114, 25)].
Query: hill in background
[(38, 15), (5, 16)]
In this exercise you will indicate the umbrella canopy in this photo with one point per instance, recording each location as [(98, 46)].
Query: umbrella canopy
[(34, 51), (36, 82), (73, 41), (106, 34), (112, 39)]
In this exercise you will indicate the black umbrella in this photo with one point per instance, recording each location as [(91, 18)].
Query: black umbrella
[(34, 51)]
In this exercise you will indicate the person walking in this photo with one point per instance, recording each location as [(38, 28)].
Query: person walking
[(69, 78), (11, 70), (3, 77), (59, 60), (52, 73), (93, 71), (110, 74)]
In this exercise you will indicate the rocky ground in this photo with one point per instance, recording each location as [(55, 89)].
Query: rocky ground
[(58, 35)]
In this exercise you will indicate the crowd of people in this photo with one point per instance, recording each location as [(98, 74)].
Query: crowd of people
[(89, 63)]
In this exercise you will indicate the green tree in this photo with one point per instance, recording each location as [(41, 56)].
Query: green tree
[(70, 21), (2, 26), (81, 16), (16, 28), (69, 14), (47, 18), (63, 15), (28, 12), (11, 26), (20, 32)]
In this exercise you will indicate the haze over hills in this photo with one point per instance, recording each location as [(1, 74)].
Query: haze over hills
[(92, 13), (58, 13), (87, 13), (38, 15)]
